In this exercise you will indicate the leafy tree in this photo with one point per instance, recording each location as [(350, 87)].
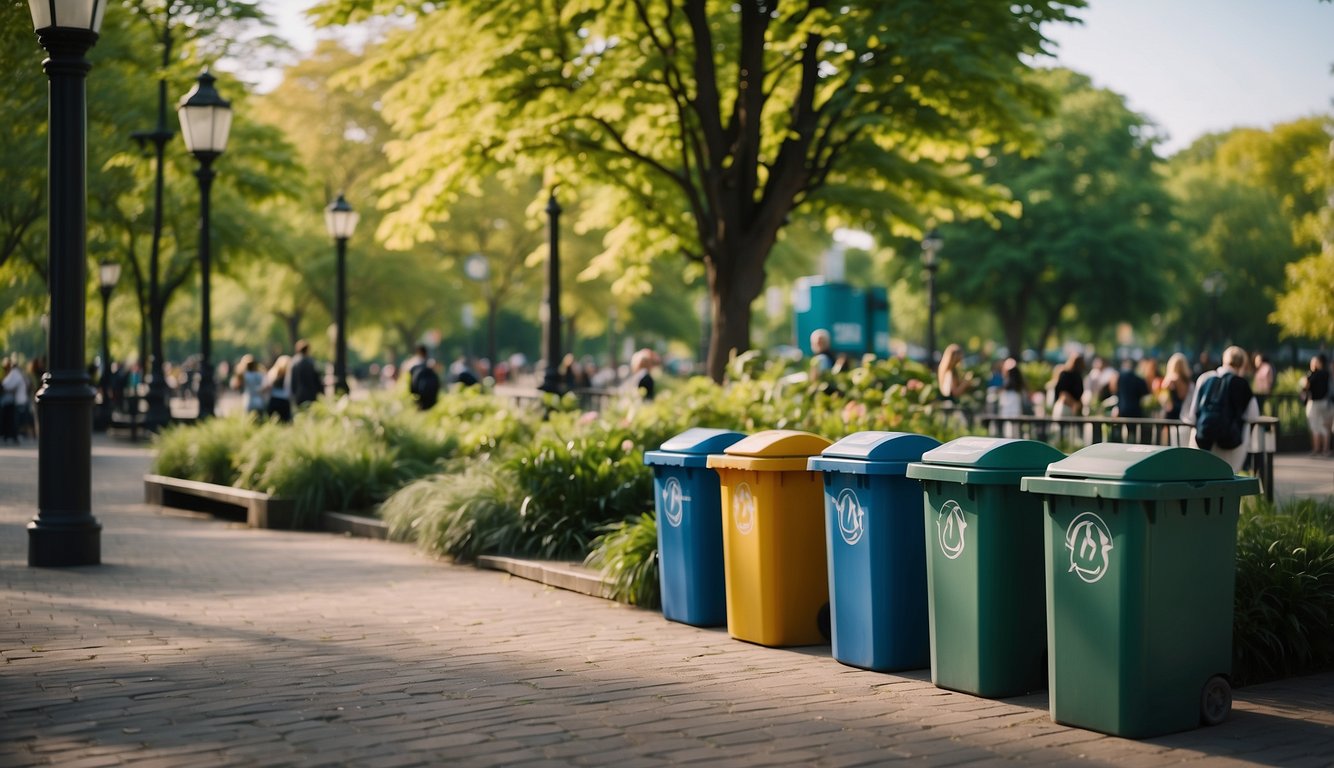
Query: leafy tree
[(1249, 203), (1091, 245), (709, 122)]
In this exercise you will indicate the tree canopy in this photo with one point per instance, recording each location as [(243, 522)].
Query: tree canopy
[(1090, 245), (705, 123)]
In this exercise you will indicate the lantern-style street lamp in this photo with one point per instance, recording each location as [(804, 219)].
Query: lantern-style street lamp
[(65, 531), (206, 121), (341, 222)]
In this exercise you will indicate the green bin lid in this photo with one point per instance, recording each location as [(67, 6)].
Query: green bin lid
[(984, 461), (994, 453), (1141, 472), (1142, 463)]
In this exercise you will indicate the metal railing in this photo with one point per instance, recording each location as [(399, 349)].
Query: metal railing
[(1073, 432)]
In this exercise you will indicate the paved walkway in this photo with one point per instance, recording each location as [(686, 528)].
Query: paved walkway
[(199, 642)]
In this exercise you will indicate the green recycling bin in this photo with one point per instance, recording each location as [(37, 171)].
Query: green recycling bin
[(1141, 546), (985, 609)]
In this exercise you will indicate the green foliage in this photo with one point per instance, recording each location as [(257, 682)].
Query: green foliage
[(627, 556), (1284, 613), (1092, 206), (572, 487), (481, 423), (204, 451), (462, 515)]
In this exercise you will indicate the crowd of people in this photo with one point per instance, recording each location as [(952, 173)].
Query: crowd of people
[(1138, 390)]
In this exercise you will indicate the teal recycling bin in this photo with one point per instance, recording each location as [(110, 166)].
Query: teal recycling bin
[(984, 565), (1141, 547), (873, 537), (690, 526)]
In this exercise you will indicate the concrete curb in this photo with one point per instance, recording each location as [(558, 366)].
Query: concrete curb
[(570, 576)]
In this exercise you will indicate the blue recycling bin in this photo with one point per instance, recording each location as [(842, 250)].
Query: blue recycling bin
[(874, 533), (690, 526)]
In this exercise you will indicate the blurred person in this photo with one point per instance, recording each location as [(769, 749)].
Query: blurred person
[(1262, 383), (1319, 408), (303, 379), (1177, 387), (249, 380), (641, 372), (280, 400), (949, 380), (13, 390), (1223, 397), (1130, 390), (1067, 388), (822, 358)]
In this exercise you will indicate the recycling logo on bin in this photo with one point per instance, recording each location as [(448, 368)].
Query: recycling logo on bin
[(851, 516), (950, 528), (674, 501), (1090, 543), (743, 508)]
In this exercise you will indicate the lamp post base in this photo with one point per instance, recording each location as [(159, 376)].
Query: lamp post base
[(56, 545)]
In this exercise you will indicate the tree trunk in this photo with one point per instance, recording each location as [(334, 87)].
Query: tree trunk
[(733, 285)]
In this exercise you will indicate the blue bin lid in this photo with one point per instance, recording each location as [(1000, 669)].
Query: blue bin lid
[(692, 447), (873, 453)]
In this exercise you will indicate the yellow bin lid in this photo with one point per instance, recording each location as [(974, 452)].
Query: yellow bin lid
[(774, 450)]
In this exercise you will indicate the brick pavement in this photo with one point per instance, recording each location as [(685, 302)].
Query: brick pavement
[(200, 642)]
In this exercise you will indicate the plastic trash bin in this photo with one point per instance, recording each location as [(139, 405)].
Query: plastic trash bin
[(690, 526), (1141, 562), (986, 610), (873, 539), (773, 539)]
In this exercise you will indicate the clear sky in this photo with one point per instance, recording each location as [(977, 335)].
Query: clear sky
[(1197, 66), (1190, 66)]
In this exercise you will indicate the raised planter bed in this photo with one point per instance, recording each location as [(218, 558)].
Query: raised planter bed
[(258, 510)]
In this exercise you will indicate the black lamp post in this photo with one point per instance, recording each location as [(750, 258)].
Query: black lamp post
[(341, 221), (931, 245), (108, 274), (206, 120), (65, 531), (551, 381)]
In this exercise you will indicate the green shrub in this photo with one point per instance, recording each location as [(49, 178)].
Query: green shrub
[(320, 465), (1284, 611), (627, 556), (462, 515), (571, 488), (204, 451)]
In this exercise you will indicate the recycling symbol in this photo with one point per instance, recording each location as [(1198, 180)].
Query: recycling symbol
[(743, 508), (673, 501), (1090, 543), (950, 528), (851, 516)]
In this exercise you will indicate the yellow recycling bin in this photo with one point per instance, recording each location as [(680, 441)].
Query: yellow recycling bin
[(774, 539)]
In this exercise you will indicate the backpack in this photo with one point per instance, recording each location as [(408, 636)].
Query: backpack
[(1216, 422), (424, 385)]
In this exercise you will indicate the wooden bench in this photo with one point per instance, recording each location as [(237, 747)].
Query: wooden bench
[(261, 510)]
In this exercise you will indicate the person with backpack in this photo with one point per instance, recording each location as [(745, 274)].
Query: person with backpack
[(423, 380), (1319, 406), (1222, 409)]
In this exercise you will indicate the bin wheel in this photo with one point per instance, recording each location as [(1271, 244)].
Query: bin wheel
[(1215, 701), (822, 621)]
